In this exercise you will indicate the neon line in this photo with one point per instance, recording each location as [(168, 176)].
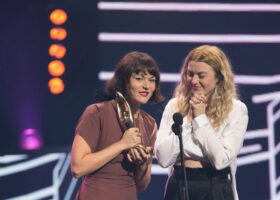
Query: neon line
[(70, 189), (250, 149), (189, 7), (12, 158), (170, 77), (239, 79), (64, 169), (277, 181), (57, 168), (250, 159), (187, 38), (261, 133), (271, 150), (39, 194), (29, 164), (257, 80), (158, 170), (266, 97), (277, 149), (276, 116)]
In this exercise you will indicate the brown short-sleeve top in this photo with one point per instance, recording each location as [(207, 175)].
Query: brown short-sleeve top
[(100, 128)]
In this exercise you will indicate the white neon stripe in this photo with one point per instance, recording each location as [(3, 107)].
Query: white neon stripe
[(250, 159), (158, 170), (189, 7), (250, 149), (261, 98), (277, 181), (12, 158), (105, 75), (39, 194), (70, 189), (261, 133), (239, 79), (257, 80), (276, 116), (64, 169), (29, 164), (188, 38), (170, 77), (277, 149), (271, 150)]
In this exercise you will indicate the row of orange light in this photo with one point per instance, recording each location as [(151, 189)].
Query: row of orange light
[(57, 51)]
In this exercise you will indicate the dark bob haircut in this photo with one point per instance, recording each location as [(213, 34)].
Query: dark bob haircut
[(134, 62)]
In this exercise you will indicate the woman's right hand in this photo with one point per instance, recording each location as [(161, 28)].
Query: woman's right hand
[(131, 138)]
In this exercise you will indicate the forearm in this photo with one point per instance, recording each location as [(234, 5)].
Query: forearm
[(143, 176), (82, 165), (221, 149)]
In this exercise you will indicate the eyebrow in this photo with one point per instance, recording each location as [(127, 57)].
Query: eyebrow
[(198, 72), (143, 74)]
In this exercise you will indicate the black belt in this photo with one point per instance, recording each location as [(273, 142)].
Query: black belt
[(202, 174)]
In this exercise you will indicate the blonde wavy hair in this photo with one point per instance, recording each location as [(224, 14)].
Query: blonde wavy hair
[(220, 102)]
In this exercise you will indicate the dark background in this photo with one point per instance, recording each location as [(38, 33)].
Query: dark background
[(25, 100)]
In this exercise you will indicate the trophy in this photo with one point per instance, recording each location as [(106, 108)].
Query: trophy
[(125, 116)]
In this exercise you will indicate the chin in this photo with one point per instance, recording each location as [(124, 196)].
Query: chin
[(197, 91)]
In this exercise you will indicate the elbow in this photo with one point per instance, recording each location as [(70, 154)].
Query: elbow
[(163, 164), (219, 165), (142, 187), (76, 173)]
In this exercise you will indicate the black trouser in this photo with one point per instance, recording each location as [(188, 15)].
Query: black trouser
[(203, 184)]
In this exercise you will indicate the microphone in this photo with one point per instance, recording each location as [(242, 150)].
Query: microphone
[(178, 121)]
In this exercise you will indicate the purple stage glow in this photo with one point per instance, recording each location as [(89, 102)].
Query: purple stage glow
[(30, 139)]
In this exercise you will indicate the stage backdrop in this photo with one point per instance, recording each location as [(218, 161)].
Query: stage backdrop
[(99, 34)]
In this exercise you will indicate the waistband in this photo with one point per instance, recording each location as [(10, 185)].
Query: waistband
[(200, 174)]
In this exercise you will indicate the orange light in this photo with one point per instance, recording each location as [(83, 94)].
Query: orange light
[(58, 17), (56, 85), (58, 33), (57, 50), (56, 68)]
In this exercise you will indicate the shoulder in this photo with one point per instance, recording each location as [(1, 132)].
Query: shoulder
[(98, 108), (148, 118), (172, 104), (239, 108)]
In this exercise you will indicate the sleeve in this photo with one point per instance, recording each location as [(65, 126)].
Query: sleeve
[(167, 147), (223, 149), (89, 126)]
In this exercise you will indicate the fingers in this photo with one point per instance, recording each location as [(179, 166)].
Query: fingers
[(136, 155), (131, 137), (198, 99), (198, 104), (149, 150), (139, 155), (129, 157)]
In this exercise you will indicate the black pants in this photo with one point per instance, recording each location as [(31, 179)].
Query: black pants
[(203, 184)]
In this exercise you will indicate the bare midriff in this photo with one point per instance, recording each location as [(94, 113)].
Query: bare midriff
[(193, 163)]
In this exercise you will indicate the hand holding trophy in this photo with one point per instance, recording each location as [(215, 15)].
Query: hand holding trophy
[(125, 117)]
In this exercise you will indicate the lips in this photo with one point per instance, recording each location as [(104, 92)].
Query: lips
[(195, 88), (144, 94)]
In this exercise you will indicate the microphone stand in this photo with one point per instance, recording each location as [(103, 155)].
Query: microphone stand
[(184, 193)]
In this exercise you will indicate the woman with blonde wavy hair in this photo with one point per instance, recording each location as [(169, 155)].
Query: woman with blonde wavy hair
[(213, 128)]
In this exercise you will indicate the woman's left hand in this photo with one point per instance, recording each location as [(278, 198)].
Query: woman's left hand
[(198, 104), (138, 156)]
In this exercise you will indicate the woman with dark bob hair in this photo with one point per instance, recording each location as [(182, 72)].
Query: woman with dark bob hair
[(103, 151)]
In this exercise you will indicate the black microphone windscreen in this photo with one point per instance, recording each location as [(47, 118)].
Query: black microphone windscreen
[(178, 119)]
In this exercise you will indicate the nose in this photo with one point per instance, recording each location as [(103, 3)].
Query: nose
[(146, 84), (195, 80)]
